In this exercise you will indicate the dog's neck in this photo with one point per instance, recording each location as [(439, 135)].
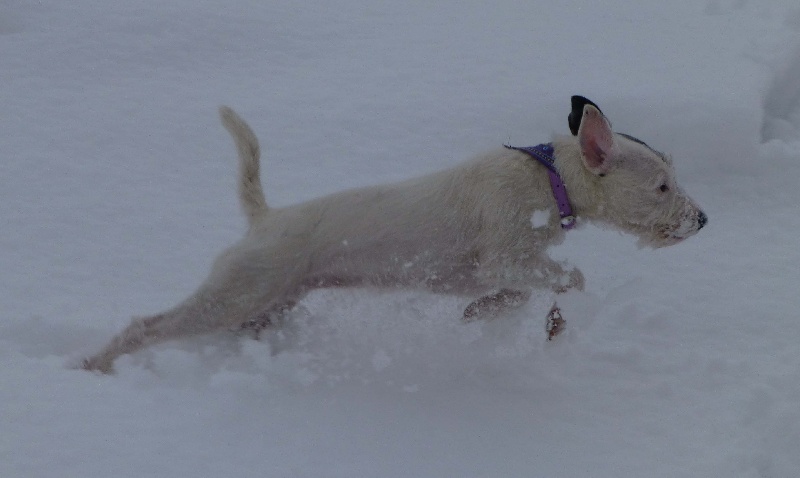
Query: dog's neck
[(545, 154)]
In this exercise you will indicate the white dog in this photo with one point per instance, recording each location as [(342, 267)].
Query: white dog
[(466, 230)]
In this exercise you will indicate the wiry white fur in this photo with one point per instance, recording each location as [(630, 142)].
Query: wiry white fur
[(465, 230), (250, 193)]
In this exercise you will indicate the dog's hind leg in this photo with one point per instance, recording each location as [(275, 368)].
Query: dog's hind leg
[(266, 319), (197, 315), (227, 299)]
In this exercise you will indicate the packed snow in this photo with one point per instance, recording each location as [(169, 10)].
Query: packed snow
[(540, 218), (117, 189)]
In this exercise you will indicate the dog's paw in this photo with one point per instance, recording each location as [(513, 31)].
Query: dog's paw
[(555, 322)]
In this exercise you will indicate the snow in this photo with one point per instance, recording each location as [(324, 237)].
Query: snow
[(117, 189), (540, 218)]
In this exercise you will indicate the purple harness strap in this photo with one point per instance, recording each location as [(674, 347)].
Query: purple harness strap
[(544, 154)]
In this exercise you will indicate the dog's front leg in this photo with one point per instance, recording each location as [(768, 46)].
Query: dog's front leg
[(528, 271), (574, 280), (562, 281), (489, 306), (549, 274), (518, 278)]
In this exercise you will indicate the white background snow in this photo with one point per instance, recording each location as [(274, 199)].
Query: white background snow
[(117, 189)]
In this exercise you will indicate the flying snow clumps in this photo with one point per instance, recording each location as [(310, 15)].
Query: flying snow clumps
[(540, 218)]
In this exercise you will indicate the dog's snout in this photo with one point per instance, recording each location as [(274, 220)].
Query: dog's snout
[(702, 219)]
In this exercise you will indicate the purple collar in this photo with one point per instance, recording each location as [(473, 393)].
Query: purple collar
[(544, 154)]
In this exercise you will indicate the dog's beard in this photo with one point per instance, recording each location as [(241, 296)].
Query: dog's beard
[(665, 231), (666, 236)]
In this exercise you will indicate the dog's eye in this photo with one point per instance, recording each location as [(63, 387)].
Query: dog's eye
[(663, 188)]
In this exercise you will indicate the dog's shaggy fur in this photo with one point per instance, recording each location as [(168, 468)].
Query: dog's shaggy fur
[(466, 230)]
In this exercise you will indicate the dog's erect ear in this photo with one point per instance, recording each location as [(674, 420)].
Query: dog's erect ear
[(596, 140), (575, 116)]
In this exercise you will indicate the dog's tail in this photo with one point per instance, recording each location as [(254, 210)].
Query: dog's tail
[(251, 195)]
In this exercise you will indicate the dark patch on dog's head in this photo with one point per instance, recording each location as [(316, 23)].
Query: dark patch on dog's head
[(639, 141), (574, 118), (635, 140)]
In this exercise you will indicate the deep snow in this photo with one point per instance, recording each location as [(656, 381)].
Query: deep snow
[(117, 190)]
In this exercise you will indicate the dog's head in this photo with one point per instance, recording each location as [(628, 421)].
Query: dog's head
[(633, 184)]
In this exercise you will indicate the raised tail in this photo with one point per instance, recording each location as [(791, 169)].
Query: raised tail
[(251, 195)]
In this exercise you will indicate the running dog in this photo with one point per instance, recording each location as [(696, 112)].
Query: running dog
[(479, 229)]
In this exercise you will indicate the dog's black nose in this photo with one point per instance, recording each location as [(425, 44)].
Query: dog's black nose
[(702, 219)]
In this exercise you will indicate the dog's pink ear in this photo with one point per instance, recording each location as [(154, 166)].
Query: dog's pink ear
[(596, 140)]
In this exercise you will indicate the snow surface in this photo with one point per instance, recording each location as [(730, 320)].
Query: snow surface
[(117, 189)]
